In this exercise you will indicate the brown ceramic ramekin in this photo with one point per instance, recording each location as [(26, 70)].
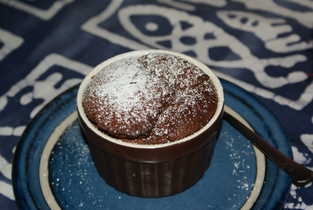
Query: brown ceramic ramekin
[(151, 170)]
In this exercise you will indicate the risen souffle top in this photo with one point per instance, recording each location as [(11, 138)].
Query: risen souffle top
[(151, 99)]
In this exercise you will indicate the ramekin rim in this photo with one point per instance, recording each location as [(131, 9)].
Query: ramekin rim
[(216, 82)]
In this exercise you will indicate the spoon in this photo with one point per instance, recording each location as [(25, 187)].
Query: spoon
[(300, 174)]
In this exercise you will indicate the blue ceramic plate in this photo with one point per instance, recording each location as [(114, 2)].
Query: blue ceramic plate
[(53, 168)]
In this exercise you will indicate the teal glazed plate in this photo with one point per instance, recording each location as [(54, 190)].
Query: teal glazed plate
[(53, 167)]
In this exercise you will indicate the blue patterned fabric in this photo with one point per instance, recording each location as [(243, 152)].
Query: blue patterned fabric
[(263, 46)]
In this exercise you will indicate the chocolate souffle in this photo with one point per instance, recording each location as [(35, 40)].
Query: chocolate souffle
[(151, 99)]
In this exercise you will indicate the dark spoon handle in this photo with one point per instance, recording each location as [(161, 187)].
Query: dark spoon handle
[(300, 175)]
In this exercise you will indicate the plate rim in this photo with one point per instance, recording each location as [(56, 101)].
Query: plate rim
[(24, 201)]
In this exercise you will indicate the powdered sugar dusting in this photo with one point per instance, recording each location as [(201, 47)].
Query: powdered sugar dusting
[(124, 99), (147, 97), (122, 84)]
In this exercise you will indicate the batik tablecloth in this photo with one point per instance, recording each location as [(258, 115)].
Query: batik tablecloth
[(263, 46)]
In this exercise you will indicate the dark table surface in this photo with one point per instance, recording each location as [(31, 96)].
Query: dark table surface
[(263, 46)]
